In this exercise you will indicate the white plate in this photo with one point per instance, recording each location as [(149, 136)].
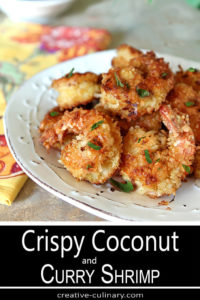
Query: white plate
[(24, 112)]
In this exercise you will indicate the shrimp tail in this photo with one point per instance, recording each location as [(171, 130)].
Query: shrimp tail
[(181, 136), (170, 120)]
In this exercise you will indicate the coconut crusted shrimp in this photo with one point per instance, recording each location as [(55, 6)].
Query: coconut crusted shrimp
[(48, 136), (125, 54), (76, 89), (137, 89), (94, 154), (187, 100), (148, 122), (190, 77), (157, 161)]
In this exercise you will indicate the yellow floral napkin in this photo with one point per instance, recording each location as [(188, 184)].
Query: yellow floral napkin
[(26, 49)]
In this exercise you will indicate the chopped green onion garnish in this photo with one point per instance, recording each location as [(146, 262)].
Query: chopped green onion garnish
[(70, 73), (127, 85), (139, 140), (54, 113), (192, 70), (147, 156), (186, 168), (142, 93), (96, 125), (119, 83), (157, 160), (93, 146), (125, 187), (188, 104), (163, 75), (88, 167)]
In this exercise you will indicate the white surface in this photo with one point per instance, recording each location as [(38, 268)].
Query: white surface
[(24, 112), (33, 10)]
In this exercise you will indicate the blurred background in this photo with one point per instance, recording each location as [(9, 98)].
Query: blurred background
[(170, 26)]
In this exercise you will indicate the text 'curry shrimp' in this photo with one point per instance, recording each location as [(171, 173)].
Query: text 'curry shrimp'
[(94, 154), (157, 161)]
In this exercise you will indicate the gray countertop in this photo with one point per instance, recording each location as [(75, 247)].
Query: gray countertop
[(165, 26)]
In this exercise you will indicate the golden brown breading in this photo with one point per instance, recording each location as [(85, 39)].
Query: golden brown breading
[(156, 161), (186, 99), (197, 164), (137, 89), (131, 106), (125, 54), (148, 122), (94, 154), (48, 136), (79, 89), (190, 77)]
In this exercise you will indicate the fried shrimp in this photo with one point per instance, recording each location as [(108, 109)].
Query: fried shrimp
[(125, 54), (76, 89), (94, 154), (186, 99), (137, 89), (48, 136), (190, 77), (138, 120), (157, 161), (149, 122), (196, 165)]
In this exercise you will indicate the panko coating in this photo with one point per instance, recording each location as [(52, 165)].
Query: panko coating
[(157, 161), (137, 89), (149, 122), (76, 89), (125, 54), (94, 154), (190, 77), (186, 99), (196, 164), (48, 136), (129, 131)]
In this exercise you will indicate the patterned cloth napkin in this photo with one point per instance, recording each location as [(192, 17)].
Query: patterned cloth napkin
[(26, 49)]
